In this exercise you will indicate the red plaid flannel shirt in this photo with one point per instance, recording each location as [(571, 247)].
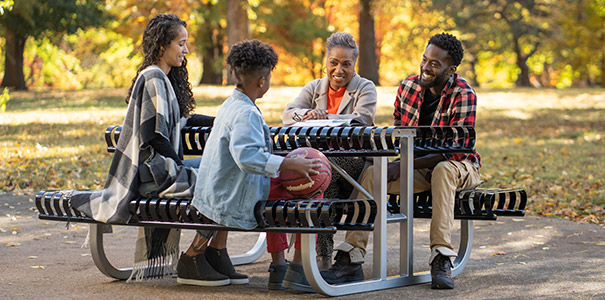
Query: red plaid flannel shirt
[(457, 107)]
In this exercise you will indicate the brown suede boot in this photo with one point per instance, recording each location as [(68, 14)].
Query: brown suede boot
[(441, 273)]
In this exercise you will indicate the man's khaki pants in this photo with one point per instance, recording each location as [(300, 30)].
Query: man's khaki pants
[(447, 177)]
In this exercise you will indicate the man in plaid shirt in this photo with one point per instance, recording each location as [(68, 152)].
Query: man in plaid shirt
[(436, 97)]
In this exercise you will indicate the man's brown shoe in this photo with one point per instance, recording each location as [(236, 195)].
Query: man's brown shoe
[(441, 272)]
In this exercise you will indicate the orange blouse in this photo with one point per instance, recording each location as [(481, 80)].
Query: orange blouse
[(334, 99)]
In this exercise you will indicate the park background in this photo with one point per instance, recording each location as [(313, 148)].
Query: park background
[(538, 68)]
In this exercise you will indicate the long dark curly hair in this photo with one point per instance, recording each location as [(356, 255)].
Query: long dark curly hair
[(158, 34)]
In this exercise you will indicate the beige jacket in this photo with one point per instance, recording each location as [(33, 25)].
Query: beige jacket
[(358, 102)]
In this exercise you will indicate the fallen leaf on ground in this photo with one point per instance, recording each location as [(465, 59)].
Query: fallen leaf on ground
[(32, 257), (38, 267), (499, 253), (13, 244)]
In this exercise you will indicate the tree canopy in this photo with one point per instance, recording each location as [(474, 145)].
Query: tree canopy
[(538, 43), (33, 18)]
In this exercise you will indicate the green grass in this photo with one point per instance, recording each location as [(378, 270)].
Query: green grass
[(549, 142)]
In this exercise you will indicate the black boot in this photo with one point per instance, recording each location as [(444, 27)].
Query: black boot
[(343, 270), (220, 261), (195, 270)]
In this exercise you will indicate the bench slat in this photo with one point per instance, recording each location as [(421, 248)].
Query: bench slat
[(338, 141), (473, 204)]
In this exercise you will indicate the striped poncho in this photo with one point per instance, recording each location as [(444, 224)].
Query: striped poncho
[(153, 110)]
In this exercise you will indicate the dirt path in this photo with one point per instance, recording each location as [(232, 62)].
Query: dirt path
[(513, 258)]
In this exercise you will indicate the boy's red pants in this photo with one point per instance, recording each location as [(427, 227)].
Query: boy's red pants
[(277, 242)]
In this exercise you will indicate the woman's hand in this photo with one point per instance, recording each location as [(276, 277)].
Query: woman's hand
[(316, 114), (301, 165)]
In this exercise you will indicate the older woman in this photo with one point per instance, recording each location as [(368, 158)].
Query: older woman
[(341, 94)]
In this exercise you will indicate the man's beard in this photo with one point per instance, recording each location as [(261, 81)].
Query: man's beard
[(433, 83)]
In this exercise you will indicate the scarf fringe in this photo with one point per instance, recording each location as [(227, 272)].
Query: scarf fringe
[(157, 267)]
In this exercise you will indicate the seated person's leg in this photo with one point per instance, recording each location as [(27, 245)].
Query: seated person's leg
[(447, 177), (348, 259), (351, 253), (276, 244), (339, 188)]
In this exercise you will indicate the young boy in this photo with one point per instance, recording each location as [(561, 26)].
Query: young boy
[(237, 163)]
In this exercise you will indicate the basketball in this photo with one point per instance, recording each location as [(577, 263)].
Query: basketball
[(298, 185)]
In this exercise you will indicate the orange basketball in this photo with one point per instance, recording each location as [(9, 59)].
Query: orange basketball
[(298, 185)]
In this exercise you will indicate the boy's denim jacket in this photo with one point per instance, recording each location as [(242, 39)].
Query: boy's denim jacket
[(236, 164)]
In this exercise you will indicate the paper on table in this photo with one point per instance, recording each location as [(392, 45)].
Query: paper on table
[(326, 122)]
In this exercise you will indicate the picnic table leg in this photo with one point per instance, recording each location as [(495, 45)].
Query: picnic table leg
[(253, 254), (98, 255), (464, 250)]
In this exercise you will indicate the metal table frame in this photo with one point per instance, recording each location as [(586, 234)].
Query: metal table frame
[(380, 279)]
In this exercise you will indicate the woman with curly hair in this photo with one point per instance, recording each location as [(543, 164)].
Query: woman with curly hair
[(148, 161)]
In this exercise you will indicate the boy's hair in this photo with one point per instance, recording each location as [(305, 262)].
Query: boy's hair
[(449, 43), (251, 58), (342, 40)]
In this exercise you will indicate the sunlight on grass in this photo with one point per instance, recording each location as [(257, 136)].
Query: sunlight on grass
[(549, 142)]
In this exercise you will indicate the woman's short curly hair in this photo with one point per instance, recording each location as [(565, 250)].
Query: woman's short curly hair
[(159, 33), (449, 43), (342, 40), (251, 58)]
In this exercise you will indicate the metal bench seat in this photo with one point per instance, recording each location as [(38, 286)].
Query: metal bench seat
[(296, 216), (473, 204)]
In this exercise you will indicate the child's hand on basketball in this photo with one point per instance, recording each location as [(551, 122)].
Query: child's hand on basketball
[(303, 166)]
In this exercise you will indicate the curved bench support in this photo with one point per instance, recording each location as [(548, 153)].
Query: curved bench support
[(466, 244), (98, 255), (104, 265), (253, 254), (321, 286)]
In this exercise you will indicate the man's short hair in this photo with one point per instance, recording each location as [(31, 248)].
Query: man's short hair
[(449, 43)]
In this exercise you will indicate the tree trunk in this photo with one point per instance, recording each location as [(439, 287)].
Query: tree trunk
[(523, 79), (603, 58), (368, 61), (212, 56), (238, 28), (473, 71), (13, 61)]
